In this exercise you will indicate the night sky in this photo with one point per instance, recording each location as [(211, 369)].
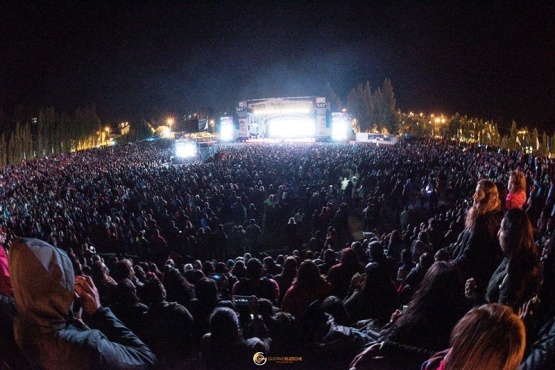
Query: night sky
[(149, 59)]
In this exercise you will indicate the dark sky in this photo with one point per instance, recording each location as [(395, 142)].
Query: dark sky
[(152, 58)]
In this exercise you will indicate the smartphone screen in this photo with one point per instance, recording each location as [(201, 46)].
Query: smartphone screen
[(241, 300), (216, 277)]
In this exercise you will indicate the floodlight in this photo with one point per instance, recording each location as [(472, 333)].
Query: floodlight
[(226, 132), (185, 150), (339, 131)]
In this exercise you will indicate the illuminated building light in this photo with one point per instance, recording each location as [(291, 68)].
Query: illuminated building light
[(185, 149)]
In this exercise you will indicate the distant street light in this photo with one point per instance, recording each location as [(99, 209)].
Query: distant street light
[(170, 122)]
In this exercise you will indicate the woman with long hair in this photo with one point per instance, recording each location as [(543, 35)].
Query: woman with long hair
[(487, 337), (178, 289), (412, 337), (206, 299), (128, 307), (486, 200), (477, 254), (105, 284), (433, 311), (539, 316), (225, 348), (285, 279), (308, 287), (340, 275), (395, 245), (516, 197), (518, 276)]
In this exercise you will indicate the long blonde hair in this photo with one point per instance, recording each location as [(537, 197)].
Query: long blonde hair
[(490, 203), (517, 182), (487, 337)]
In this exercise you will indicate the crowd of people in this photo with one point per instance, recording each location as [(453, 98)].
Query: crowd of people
[(309, 253)]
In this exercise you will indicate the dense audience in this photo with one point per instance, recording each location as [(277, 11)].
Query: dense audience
[(314, 251)]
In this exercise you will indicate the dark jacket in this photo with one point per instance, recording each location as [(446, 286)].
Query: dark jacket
[(131, 315), (376, 299), (43, 283), (238, 355), (168, 330), (478, 254), (512, 291), (10, 354), (542, 351)]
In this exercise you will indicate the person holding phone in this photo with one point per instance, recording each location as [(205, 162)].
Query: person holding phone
[(255, 284), (225, 347), (50, 334)]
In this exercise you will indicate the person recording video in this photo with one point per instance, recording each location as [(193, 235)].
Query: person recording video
[(49, 328)]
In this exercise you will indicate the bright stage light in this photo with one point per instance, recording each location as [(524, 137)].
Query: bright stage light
[(227, 129), (282, 111), (185, 150), (340, 126), (165, 132), (226, 133), (339, 131), (288, 127)]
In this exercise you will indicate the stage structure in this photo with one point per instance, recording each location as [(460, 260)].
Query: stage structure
[(284, 118)]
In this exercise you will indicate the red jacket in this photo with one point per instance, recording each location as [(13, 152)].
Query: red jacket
[(297, 300), (515, 200)]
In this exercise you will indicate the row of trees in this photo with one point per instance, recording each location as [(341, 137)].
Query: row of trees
[(51, 133), (371, 110), (475, 130), (375, 111), (48, 133)]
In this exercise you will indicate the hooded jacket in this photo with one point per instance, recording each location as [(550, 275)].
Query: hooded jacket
[(43, 284)]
